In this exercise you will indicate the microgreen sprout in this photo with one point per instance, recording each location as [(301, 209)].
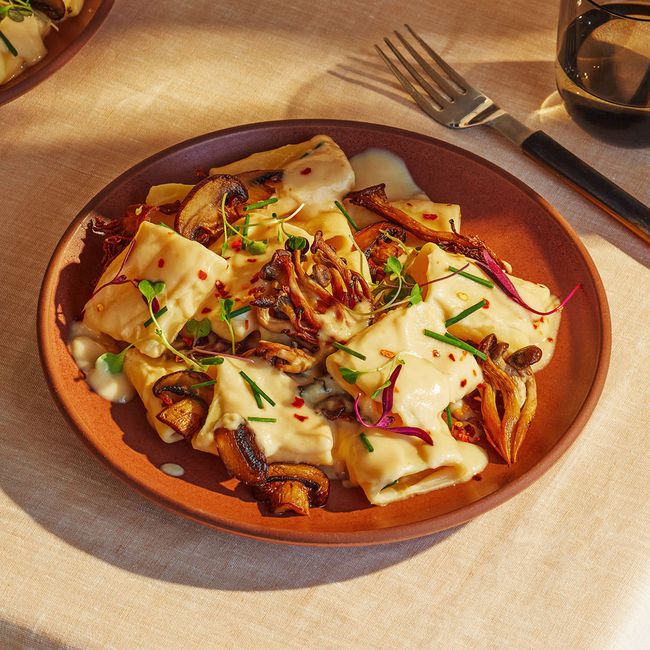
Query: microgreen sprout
[(226, 305), (198, 328), (351, 376), (344, 212), (112, 361)]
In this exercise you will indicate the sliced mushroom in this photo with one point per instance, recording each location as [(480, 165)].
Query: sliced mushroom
[(374, 198), (186, 416), (293, 488), (180, 384), (53, 9), (241, 455), (378, 247), (199, 215), (283, 357), (508, 396), (260, 184)]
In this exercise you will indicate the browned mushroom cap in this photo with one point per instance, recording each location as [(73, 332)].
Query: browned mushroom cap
[(377, 247), (283, 357), (374, 198), (180, 384), (199, 215), (53, 9), (260, 184), (293, 488), (186, 416), (241, 455)]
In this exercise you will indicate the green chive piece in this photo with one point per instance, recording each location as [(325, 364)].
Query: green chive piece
[(240, 311), (448, 412), (390, 484), (259, 204), (210, 382), (212, 361), (469, 276), (244, 230), (366, 443), (164, 225), (354, 353), (457, 343), (158, 314), (464, 314), (9, 44), (252, 419), (344, 212), (257, 391)]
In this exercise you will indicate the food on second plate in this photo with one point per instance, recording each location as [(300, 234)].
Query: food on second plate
[(24, 24), (306, 328)]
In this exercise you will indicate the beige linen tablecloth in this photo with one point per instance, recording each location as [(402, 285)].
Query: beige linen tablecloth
[(86, 563)]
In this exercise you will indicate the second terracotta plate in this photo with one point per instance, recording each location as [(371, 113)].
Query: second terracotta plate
[(517, 223)]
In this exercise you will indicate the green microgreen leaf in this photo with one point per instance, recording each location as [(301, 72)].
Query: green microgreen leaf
[(469, 276), (198, 328), (464, 314), (393, 265), (354, 353), (296, 243), (349, 375), (379, 389), (257, 247), (113, 362), (416, 295), (344, 212), (226, 305), (151, 289), (366, 442)]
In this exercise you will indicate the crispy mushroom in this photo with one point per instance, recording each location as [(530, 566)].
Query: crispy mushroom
[(186, 406), (260, 184), (241, 455), (293, 488), (53, 9), (508, 395), (378, 247), (199, 215), (185, 416), (374, 198), (283, 357)]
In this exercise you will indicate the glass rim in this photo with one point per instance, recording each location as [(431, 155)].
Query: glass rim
[(613, 12)]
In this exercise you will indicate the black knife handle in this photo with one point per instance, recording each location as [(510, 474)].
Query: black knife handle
[(592, 184)]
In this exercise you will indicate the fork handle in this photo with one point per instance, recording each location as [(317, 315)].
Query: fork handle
[(592, 184)]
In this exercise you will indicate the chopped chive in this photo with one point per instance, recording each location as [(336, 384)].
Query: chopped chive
[(212, 361), (366, 443), (240, 311), (390, 484), (354, 353), (344, 212), (164, 225), (448, 412), (452, 340), (244, 230), (9, 45), (319, 145), (469, 276), (257, 391), (158, 314), (464, 314), (259, 204), (251, 419), (210, 382)]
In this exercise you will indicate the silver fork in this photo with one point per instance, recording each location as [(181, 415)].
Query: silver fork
[(453, 102)]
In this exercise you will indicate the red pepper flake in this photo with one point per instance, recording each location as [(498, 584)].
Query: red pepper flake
[(298, 402), (246, 324), (387, 353), (252, 260), (300, 418), (477, 477), (236, 244), (206, 310), (474, 372), (155, 306), (165, 399), (306, 171), (203, 275), (541, 320), (222, 292), (161, 263), (487, 304), (550, 339), (452, 357), (463, 383), (430, 216), (535, 324), (188, 341), (435, 353)]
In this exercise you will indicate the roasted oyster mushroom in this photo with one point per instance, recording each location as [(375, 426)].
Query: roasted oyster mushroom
[(374, 198), (377, 246), (186, 406), (199, 215), (241, 455), (508, 395), (283, 357), (293, 488)]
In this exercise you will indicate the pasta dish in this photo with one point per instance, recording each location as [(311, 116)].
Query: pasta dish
[(307, 317)]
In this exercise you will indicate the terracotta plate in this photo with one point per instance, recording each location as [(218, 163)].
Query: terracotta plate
[(62, 45), (515, 221)]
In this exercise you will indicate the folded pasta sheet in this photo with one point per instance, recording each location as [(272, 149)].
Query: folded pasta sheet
[(433, 375), (502, 316), (188, 269), (143, 372), (287, 430)]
